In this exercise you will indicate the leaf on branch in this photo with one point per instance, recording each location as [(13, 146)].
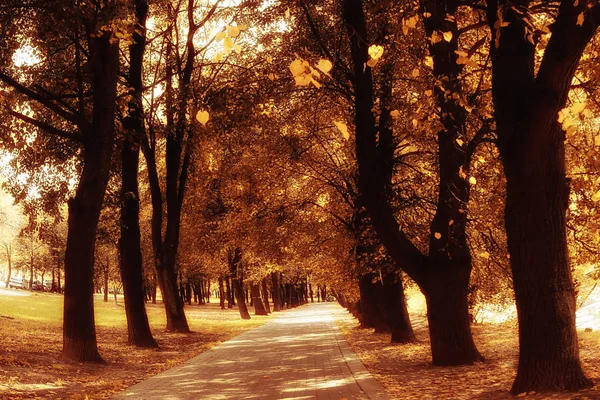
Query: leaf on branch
[(342, 127), (324, 65), (202, 117), (580, 19), (233, 31), (375, 51), (437, 235)]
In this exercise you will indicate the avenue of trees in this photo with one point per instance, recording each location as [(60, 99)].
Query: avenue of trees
[(283, 152)]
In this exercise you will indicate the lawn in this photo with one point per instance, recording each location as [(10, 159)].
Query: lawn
[(31, 339)]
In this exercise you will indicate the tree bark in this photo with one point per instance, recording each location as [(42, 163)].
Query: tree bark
[(531, 145), (265, 295), (396, 310), (372, 313), (130, 260), (428, 270), (259, 307), (234, 259), (79, 332)]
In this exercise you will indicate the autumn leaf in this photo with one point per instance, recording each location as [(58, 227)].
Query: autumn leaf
[(324, 65), (375, 51), (342, 127), (202, 117), (233, 31), (437, 235)]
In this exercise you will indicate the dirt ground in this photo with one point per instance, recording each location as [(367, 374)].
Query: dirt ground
[(407, 373)]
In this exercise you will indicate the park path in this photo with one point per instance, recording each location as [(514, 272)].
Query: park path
[(299, 355)]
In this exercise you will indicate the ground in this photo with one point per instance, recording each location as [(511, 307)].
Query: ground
[(407, 373), (31, 337)]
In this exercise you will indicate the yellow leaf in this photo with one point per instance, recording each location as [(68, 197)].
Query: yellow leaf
[(394, 113), (428, 61), (316, 83), (580, 19), (596, 196), (415, 122), (437, 235), (220, 36), (435, 37), (269, 59), (303, 80), (459, 142), (237, 48), (218, 57), (202, 117), (287, 13), (450, 222), (233, 31), (228, 43), (271, 76), (342, 127), (472, 180), (447, 36), (375, 51), (324, 65), (297, 68), (577, 108), (426, 14), (428, 93), (415, 72)]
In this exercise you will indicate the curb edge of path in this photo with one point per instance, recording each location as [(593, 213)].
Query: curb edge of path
[(363, 377)]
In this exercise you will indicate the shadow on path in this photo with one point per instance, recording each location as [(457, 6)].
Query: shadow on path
[(300, 355)]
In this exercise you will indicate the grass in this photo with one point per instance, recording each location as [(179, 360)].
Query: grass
[(31, 340)]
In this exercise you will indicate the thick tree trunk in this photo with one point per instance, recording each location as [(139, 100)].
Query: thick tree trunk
[(167, 280), (241, 301), (79, 332), (372, 313), (396, 311), (531, 145), (276, 293), (265, 295), (259, 307), (449, 322)]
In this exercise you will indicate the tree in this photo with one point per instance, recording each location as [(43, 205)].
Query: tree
[(443, 274), (94, 133), (130, 259), (531, 145)]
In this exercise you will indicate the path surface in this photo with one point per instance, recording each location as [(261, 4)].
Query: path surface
[(300, 355)]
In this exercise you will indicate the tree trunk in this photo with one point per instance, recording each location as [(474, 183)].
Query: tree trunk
[(395, 308), (276, 292), (130, 260), (105, 279), (532, 150), (229, 293), (79, 332), (167, 280), (234, 258), (372, 313), (8, 260), (259, 307), (239, 294), (265, 295), (221, 293), (31, 273)]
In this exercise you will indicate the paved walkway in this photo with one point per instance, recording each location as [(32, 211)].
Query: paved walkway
[(300, 355)]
